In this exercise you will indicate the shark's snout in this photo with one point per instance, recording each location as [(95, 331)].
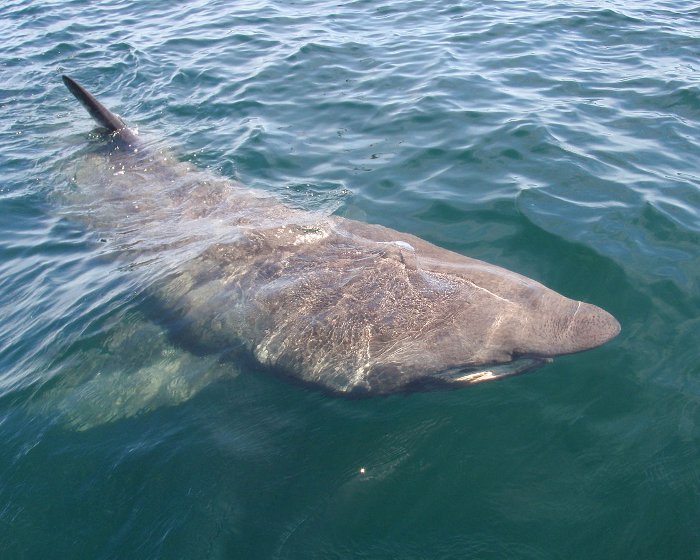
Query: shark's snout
[(590, 327), (557, 325)]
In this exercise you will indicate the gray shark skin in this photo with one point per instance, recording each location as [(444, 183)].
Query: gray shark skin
[(350, 307)]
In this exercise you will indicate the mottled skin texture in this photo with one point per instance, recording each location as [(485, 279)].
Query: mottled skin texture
[(348, 306)]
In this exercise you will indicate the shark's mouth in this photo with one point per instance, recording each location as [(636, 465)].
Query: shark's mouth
[(469, 375)]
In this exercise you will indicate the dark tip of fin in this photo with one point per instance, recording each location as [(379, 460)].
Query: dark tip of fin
[(103, 116)]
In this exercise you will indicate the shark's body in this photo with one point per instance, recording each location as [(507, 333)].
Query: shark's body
[(344, 305)]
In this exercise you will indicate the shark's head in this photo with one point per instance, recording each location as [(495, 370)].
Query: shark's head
[(526, 329), (492, 324), (483, 322)]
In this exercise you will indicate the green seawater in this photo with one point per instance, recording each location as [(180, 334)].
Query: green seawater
[(559, 140)]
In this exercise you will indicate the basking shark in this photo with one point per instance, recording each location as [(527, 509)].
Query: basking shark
[(350, 307)]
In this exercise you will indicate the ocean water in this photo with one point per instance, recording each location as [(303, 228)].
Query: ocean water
[(559, 140)]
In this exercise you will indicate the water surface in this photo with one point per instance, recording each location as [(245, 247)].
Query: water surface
[(557, 140)]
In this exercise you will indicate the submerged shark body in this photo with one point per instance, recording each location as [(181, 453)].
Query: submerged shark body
[(351, 307)]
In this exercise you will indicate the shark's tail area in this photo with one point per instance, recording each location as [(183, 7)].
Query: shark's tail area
[(103, 116)]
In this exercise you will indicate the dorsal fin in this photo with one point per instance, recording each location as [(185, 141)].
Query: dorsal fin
[(103, 116)]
